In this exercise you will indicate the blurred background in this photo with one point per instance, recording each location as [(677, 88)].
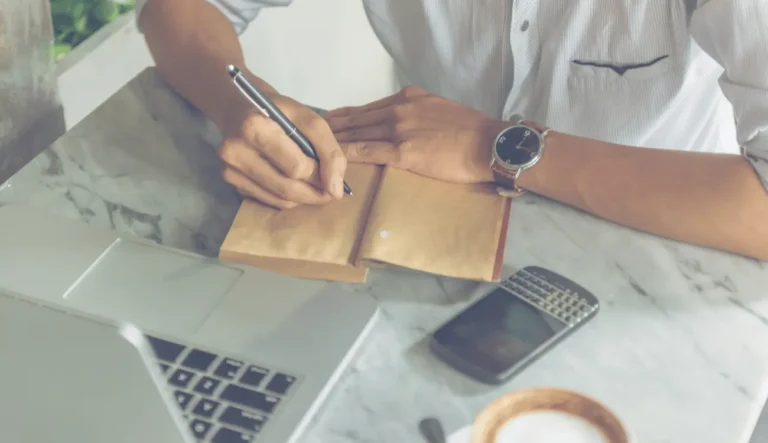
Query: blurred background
[(337, 59), (66, 57)]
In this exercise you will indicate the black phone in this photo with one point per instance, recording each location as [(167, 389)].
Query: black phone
[(515, 323)]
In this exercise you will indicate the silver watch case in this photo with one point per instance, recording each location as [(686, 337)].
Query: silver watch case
[(516, 169)]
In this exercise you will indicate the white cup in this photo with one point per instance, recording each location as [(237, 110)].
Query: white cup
[(547, 415)]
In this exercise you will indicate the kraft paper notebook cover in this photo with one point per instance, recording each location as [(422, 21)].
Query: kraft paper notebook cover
[(395, 218)]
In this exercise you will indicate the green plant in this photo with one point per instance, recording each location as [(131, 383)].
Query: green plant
[(76, 20)]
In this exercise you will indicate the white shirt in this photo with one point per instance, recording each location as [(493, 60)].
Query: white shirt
[(678, 74)]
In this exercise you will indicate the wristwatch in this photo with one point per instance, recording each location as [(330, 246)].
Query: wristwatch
[(516, 148)]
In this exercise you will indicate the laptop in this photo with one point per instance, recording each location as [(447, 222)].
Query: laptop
[(106, 337)]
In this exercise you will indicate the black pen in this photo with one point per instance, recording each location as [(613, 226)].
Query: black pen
[(271, 111)]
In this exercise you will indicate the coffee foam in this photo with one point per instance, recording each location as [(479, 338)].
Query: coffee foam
[(549, 427), (547, 415)]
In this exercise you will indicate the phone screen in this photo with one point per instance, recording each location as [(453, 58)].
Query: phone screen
[(498, 331)]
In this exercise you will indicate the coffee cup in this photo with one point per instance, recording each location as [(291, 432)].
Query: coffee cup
[(548, 415)]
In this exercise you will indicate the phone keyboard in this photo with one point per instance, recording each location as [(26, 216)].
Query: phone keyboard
[(551, 293), (225, 400)]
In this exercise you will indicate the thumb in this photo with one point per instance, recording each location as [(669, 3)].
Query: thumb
[(380, 153)]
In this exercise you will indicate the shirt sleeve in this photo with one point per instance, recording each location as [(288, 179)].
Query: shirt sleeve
[(735, 34), (240, 12)]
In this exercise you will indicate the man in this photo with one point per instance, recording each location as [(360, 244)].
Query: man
[(637, 99)]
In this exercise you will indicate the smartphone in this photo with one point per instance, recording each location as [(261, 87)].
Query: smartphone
[(513, 324)]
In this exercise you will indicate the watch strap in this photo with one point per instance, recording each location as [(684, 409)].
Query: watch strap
[(508, 183)]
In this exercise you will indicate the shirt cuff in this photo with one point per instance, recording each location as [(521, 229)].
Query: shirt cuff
[(239, 17), (756, 151)]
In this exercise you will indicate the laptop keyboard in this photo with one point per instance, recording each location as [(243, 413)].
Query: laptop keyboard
[(225, 400)]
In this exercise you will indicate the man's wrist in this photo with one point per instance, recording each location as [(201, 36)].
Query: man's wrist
[(531, 178), (528, 176), (491, 132), (235, 107)]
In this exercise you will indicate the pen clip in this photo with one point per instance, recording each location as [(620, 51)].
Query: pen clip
[(248, 96)]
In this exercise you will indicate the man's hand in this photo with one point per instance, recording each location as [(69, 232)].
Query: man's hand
[(263, 163), (420, 132), (192, 42)]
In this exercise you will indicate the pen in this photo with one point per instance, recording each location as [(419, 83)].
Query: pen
[(271, 111)]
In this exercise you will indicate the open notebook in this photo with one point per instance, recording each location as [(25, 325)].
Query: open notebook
[(395, 218)]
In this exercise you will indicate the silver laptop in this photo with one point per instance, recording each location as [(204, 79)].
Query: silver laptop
[(104, 337)]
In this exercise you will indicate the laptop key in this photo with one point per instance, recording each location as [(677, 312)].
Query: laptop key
[(280, 383), (207, 386), (181, 378), (242, 419), (206, 408), (165, 350), (253, 376), (250, 399), (183, 399), (199, 360), (200, 428), (226, 435), (228, 368)]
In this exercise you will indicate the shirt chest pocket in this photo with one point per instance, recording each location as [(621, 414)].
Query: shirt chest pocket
[(644, 80), (643, 71), (617, 65), (621, 68), (630, 42), (632, 87)]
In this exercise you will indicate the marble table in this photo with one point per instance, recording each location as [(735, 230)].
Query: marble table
[(678, 349)]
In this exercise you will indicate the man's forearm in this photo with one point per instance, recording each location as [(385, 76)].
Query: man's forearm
[(192, 43), (713, 200)]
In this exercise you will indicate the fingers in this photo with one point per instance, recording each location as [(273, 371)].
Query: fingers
[(370, 133), (405, 94), (375, 125), (283, 152), (344, 122), (378, 104), (268, 139), (333, 164), (380, 153), (249, 188), (242, 158)]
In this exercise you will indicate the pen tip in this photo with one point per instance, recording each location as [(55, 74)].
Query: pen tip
[(232, 70)]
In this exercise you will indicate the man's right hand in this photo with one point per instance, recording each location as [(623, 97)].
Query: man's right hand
[(192, 43), (263, 163)]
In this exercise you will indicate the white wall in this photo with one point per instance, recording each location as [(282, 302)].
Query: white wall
[(321, 52), (99, 67)]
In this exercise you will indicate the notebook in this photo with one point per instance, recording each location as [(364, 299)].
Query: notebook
[(395, 218)]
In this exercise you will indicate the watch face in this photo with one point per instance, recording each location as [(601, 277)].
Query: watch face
[(518, 146)]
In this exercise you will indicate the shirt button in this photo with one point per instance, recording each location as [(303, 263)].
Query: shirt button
[(524, 26)]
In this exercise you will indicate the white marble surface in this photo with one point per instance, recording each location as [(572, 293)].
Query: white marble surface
[(463, 435), (678, 349)]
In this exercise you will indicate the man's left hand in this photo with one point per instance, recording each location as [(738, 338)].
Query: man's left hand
[(419, 132)]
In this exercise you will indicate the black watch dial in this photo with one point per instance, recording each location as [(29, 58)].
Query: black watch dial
[(518, 146)]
